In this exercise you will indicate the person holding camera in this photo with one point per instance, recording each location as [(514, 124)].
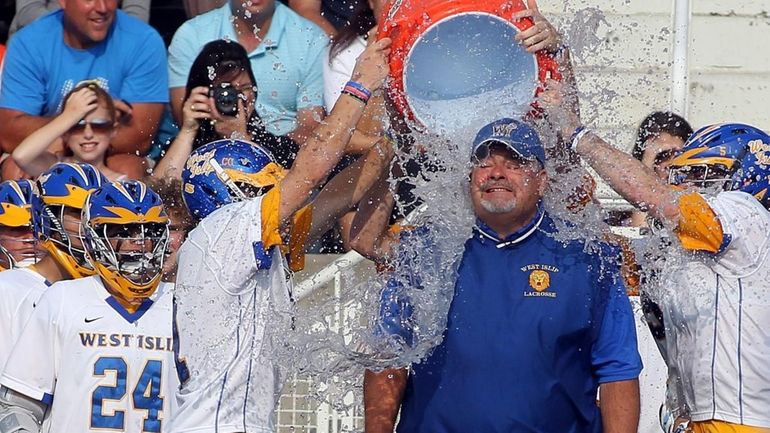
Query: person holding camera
[(220, 103)]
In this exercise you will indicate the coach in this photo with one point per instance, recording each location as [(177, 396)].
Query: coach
[(536, 324)]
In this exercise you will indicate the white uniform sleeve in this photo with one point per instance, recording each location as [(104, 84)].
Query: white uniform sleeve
[(31, 368), (746, 223)]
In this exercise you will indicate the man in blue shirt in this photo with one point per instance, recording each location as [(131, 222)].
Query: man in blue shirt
[(85, 40), (285, 52), (536, 325)]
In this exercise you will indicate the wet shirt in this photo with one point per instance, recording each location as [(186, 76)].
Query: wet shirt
[(717, 308), (97, 366), (534, 327), (232, 293)]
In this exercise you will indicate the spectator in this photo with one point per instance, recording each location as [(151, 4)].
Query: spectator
[(285, 52), (193, 8), (86, 39), (30, 10), (350, 42), (535, 326), (330, 15), (86, 126), (660, 137), (201, 120)]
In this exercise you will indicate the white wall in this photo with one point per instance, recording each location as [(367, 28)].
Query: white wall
[(729, 64)]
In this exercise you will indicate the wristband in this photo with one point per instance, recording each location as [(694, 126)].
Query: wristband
[(580, 131), (561, 50), (354, 96), (357, 89)]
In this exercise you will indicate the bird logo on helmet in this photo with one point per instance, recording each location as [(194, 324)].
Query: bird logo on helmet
[(226, 171), (64, 187), (126, 234), (15, 213), (732, 156)]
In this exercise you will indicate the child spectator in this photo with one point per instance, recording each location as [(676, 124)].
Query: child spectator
[(86, 125)]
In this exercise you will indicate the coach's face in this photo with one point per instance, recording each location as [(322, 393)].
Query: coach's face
[(503, 184), (87, 22)]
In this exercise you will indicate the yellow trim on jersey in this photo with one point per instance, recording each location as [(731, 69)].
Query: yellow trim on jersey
[(299, 231), (271, 223), (699, 227), (15, 216), (715, 426), (125, 216)]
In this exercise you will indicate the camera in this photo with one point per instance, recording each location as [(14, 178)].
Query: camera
[(226, 99)]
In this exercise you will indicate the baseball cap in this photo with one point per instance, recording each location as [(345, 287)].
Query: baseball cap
[(518, 136)]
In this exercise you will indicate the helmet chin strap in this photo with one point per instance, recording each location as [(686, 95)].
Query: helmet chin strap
[(26, 262), (226, 179)]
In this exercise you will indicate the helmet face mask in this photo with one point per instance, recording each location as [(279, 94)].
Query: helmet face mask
[(56, 213), (135, 251), (126, 236), (704, 176), (18, 246), (725, 157), (66, 240)]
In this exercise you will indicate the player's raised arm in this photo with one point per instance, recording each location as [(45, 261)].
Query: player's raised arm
[(369, 234), (624, 173), (346, 189), (325, 147)]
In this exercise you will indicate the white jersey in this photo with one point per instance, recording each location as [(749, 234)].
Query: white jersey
[(97, 366), (718, 318), (229, 292), (20, 288)]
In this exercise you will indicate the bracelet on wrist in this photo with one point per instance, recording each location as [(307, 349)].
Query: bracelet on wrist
[(579, 133), (561, 49), (358, 90), (354, 96)]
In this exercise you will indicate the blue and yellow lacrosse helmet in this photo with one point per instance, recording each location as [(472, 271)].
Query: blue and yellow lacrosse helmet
[(126, 233), (733, 156), (226, 171), (16, 214), (61, 189)]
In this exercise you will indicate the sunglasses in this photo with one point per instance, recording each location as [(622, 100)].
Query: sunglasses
[(97, 125)]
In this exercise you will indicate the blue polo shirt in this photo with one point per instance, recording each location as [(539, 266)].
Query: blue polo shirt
[(287, 64), (40, 69), (534, 327)]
